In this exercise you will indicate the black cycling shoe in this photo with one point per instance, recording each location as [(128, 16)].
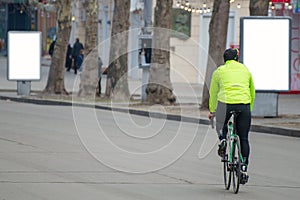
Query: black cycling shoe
[(244, 175), (222, 148), (244, 178)]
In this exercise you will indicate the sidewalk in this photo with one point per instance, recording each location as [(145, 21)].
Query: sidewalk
[(188, 97)]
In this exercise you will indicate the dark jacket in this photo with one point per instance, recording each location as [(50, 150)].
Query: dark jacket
[(80, 58), (69, 51), (69, 57), (51, 48), (76, 49)]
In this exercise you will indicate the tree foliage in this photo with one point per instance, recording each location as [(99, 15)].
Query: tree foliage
[(259, 7)]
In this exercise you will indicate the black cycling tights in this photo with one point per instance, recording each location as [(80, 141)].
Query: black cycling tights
[(243, 122)]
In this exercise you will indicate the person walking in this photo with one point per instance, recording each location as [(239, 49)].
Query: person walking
[(51, 48), (100, 64), (75, 52), (68, 64), (232, 89), (80, 59)]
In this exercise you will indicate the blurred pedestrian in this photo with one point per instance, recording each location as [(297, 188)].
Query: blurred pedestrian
[(75, 52), (68, 64), (80, 59), (1, 44), (100, 64), (51, 48)]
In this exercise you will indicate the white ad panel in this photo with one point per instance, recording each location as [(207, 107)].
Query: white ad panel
[(24, 55), (265, 50)]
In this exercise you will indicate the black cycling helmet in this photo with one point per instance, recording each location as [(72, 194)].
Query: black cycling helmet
[(231, 54)]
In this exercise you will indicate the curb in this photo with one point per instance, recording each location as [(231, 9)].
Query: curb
[(172, 117)]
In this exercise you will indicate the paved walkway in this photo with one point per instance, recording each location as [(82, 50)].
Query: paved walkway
[(188, 96)]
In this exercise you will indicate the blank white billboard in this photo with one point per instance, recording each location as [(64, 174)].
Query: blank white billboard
[(265, 44), (24, 55)]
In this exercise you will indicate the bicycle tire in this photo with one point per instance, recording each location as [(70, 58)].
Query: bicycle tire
[(227, 173), (226, 168), (236, 173)]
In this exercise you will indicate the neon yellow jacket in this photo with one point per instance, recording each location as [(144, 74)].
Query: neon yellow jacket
[(231, 83)]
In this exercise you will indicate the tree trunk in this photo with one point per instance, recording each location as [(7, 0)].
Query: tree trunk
[(217, 43), (89, 75), (117, 81), (55, 83), (159, 89), (259, 7)]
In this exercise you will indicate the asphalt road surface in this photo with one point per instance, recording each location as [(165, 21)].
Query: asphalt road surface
[(56, 152)]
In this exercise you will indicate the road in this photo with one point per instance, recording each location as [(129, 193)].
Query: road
[(57, 152)]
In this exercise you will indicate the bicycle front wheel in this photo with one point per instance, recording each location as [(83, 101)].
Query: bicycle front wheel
[(236, 173)]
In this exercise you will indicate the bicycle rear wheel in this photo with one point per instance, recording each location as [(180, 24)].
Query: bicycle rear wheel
[(226, 167), (236, 173), (227, 172)]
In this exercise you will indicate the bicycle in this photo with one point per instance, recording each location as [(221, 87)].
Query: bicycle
[(232, 159)]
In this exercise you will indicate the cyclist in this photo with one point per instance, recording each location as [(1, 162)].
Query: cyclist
[(232, 88)]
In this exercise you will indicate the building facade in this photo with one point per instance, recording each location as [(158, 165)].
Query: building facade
[(21, 15), (188, 53), (281, 8), (46, 24), (15, 15)]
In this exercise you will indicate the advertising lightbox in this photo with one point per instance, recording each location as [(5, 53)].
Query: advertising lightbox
[(24, 55), (265, 47)]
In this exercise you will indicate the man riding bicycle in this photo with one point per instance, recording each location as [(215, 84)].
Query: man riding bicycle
[(232, 89)]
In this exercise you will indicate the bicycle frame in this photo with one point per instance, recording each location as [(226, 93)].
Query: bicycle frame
[(233, 159), (232, 137)]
